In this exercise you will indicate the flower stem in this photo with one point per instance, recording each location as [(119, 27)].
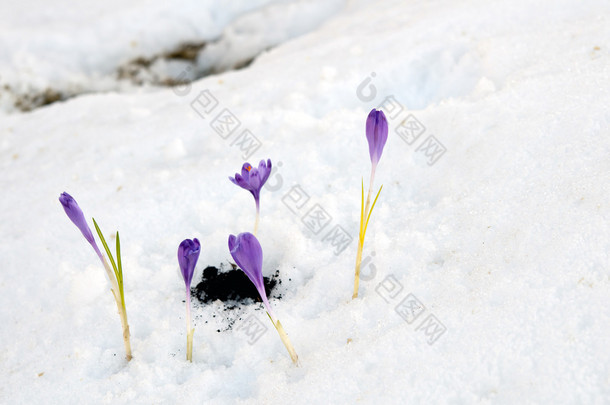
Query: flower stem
[(364, 216), (257, 216), (120, 304), (286, 340), (357, 277), (126, 334), (114, 286), (189, 329), (116, 283)]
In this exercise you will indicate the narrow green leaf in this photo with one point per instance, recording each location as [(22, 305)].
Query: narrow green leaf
[(371, 211), (118, 258), (99, 233), (271, 319), (120, 271)]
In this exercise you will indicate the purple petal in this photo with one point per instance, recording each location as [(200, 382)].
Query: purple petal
[(232, 242), (188, 254), (255, 180), (376, 134), (248, 254), (381, 133), (264, 170), (245, 170), (241, 182), (76, 216)]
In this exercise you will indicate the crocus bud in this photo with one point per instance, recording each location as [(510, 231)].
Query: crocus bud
[(188, 253), (248, 254), (76, 216), (376, 134)]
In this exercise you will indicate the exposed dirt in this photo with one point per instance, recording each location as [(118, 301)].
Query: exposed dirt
[(234, 290), (30, 101), (139, 71), (232, 287)]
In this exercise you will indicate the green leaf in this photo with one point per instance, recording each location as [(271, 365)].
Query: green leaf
[(120, 271), (371, 211), (99, 233), (118, 258)]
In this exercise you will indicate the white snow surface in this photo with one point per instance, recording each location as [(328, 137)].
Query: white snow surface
[(504, 239), (74, 47)]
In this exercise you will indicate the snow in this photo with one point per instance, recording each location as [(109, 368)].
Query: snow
[(504, 239), (77, 47)]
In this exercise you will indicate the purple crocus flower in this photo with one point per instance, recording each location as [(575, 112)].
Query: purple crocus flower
[(188, 253), (76, 216), (115, 275), (248, 254), (252, 178), (376, 134)]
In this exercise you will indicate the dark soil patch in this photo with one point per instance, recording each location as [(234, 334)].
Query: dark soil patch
[(232, 287), (30, 101), (235, 290), (138, 70)]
